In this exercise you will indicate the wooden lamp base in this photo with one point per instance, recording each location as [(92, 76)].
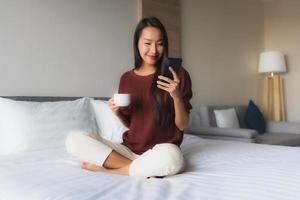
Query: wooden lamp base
[(274, 98)]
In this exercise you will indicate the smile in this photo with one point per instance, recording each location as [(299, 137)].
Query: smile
[(152, 57)]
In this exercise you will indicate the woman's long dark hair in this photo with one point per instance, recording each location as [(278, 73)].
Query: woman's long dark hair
[(162, 102)]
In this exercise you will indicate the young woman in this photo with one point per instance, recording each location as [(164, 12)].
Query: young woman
[(158, 113)]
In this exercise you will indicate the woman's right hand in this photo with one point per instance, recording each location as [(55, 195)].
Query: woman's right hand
[(113, 107)]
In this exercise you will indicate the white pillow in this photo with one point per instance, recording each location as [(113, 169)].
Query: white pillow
[(109, 125), (27, 126), (227, 118)]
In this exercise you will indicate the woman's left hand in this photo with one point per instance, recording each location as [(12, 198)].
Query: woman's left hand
[(171, 86)]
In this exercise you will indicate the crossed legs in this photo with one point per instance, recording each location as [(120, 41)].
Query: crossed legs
[(104, 156)]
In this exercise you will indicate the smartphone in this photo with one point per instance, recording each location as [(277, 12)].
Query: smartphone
[(175, 63)]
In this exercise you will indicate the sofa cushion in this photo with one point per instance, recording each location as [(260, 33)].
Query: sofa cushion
[(226, 118), (283, 127), (211, 114), (254, 118), (241, 111), (285, 139)]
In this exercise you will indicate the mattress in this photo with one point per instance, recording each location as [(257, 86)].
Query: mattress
[(214, 170)]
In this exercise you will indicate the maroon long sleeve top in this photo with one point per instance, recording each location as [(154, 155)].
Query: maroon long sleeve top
[(144, 131)]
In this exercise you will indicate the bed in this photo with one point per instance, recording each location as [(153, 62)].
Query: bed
[(214, 170)]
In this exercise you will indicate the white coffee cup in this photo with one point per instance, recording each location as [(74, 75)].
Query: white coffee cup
[(121, 100)]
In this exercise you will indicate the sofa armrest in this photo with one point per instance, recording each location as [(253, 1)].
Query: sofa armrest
[(283, 127), (227, 132)]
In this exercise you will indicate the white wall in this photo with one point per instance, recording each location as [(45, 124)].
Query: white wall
[(65, 48), (221, 41), (282, 33), (81, 47)]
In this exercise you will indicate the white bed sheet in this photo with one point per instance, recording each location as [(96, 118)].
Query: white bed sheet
[(215, 170)]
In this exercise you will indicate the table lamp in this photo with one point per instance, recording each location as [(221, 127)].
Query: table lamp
[(273, 62)]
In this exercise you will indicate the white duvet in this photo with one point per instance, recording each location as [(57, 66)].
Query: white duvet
[(215, 170)]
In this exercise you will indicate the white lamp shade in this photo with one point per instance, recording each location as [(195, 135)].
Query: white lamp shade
[(272, 61)]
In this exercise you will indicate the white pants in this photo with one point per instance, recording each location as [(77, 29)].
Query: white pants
[(162, 160)]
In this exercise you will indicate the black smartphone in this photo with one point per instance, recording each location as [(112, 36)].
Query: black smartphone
[(175, 63)]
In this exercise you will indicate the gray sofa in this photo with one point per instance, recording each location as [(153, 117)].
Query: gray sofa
[(203, 124)]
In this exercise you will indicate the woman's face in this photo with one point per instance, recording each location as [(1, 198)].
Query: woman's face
[(150, 45)]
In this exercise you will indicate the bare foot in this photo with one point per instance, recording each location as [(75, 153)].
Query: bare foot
[(92, 167)]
